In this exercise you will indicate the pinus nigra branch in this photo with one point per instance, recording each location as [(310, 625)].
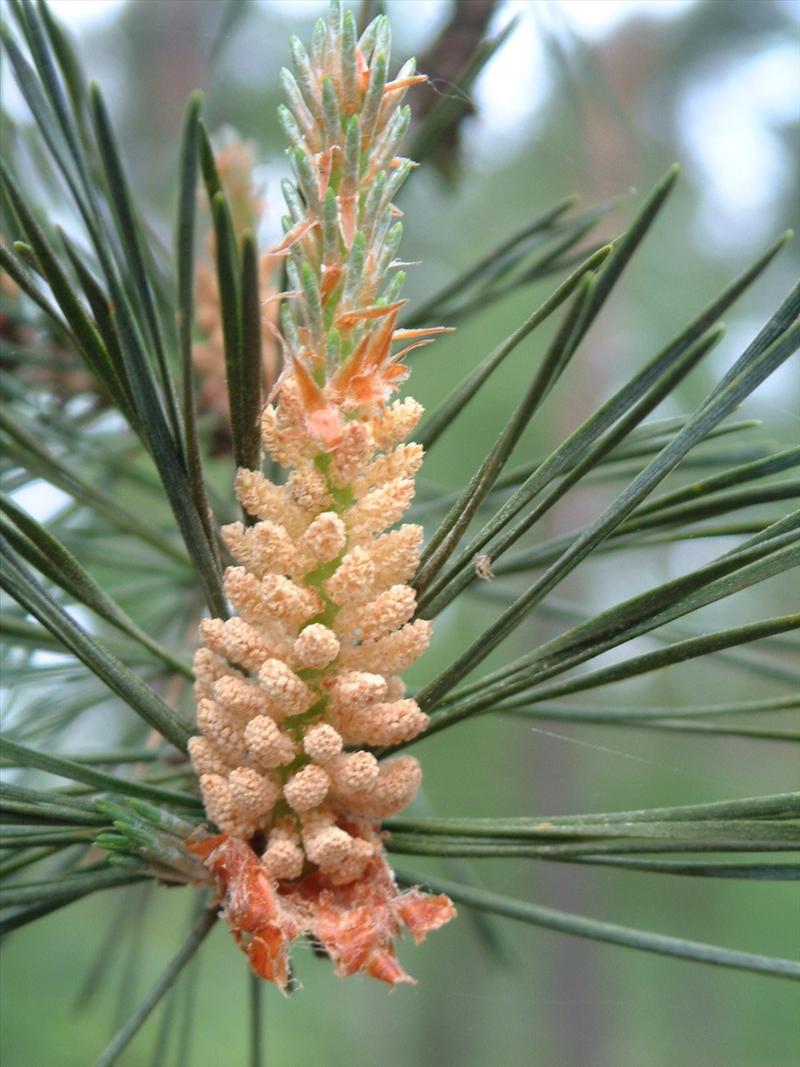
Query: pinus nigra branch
[(278, 794)]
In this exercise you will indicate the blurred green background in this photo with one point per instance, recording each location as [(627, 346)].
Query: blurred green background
[(598, 98)]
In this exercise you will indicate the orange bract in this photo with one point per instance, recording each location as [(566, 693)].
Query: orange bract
[(356, 924)]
